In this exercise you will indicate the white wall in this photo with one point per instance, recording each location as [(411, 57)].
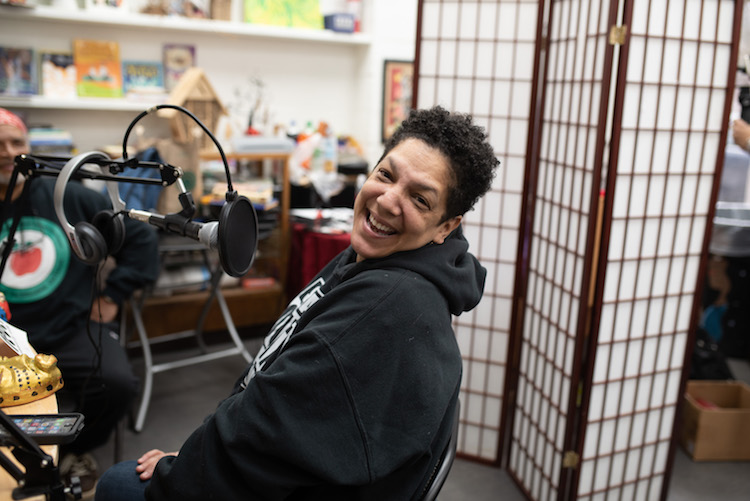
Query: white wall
[(744, 34), (393, 24), (304, 81)]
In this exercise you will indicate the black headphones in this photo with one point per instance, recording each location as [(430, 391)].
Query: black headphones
[(105, 234)]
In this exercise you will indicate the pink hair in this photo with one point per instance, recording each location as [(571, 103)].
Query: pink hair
[(10, 118)]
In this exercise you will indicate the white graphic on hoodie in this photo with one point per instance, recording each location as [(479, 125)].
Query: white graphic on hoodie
[(284, 326)]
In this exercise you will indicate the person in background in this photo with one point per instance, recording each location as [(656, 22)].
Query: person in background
[(741, 134), (353, 393), (56, 299)]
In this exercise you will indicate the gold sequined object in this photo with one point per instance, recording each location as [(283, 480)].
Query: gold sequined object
[(24, 379)]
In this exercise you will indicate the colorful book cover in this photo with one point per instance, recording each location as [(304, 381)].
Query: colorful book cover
[(142, 76), (292, 13), (193, 8), (98, 68), (104, 4), (18, 75), (58, 74), (178, 58)]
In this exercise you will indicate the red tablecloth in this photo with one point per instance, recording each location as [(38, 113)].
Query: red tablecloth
[(310, 252)]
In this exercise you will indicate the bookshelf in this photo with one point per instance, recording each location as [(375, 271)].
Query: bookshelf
[(254, 305), (334, 66), (118, 18), (167, 26), (82, 104)]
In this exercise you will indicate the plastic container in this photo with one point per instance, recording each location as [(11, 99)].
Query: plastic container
[(731, 232), (734, 174), (339, 22), (330, 147)]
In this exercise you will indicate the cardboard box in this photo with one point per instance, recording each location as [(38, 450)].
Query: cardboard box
[(716, 421)]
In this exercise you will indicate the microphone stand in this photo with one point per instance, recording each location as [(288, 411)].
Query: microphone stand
[(33, 166), (52, 165), (42, 477)]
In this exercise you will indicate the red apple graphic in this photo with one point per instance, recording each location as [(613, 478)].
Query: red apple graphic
[(26, 260)]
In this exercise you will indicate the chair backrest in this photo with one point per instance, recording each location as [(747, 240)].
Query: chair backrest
[(446, 461)]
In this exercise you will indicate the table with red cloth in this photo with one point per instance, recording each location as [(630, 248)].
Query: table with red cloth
[(310, 251)]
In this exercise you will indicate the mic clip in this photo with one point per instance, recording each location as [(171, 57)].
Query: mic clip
[(175, 223), (188, 205)]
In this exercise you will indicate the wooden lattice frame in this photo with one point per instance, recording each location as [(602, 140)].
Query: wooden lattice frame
[(555, 395)]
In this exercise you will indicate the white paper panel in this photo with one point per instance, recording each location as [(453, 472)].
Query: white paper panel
[(430, 20), (447, 59), (559, 240), (669, 141), (672, 114), (487, 21), (477, 57)]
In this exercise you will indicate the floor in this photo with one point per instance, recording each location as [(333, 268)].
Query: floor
[(183, 397)]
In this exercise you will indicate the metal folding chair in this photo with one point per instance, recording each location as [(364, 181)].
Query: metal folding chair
[(151, 368), (446, 461)]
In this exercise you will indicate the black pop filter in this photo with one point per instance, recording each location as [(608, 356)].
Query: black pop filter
[(238, 236)]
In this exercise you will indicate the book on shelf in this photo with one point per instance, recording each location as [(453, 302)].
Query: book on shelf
[(195, 8), (259, 282), (291, 13), (18, 76), (57, 75), (177, 59), (106, 4), (143, 80), (258, 191), (19, 3), (50, 141), (98, 68)]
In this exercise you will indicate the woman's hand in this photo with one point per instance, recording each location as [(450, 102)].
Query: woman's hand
[(147, 462)]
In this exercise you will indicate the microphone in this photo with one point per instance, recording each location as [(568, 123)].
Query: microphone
[(235, 235), (205, 233)]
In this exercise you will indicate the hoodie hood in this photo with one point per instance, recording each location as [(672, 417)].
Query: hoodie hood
[(454, 271)]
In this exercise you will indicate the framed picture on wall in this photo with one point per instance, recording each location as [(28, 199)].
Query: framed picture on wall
[(397, 94)]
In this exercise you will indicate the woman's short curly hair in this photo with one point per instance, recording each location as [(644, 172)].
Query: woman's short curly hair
[(471, 157)]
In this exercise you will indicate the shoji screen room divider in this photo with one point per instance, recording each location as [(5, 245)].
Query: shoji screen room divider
[(609, 119)]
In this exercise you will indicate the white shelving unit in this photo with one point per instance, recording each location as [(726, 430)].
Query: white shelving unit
[(293, 64), (309, 75), (112, 18), (81, 104), (119, 19)]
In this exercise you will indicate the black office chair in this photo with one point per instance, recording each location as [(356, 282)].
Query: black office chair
[(446, 461)]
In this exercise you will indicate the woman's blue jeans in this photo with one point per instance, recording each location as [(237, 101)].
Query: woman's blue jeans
[(121, 483)]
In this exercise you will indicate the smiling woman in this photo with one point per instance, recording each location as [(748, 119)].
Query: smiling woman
[(433, 170), (353, 393), (401, 205)]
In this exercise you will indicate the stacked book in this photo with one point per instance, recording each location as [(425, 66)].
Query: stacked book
[(50, 141)]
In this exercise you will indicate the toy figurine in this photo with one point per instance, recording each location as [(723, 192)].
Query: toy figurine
[(4, 308), (24, 379)]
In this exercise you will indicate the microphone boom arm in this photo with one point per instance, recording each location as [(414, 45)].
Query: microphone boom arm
[(42, 165), (235, 255)]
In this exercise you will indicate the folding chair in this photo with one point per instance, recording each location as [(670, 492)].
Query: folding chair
[(136, 308), (446, 461)]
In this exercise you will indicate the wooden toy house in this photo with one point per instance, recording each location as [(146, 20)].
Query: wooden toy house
[(195, 93)]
